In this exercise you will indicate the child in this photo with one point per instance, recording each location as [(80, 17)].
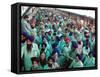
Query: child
[(35, 63)]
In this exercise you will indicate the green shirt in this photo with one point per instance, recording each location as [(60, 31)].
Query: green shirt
[(76, 64)]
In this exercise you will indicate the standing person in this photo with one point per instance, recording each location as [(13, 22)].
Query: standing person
[(29, 50), (33, 26), (25, 26), (23, 40)]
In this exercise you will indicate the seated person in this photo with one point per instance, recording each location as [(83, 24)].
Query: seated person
[(43, 62), (35, 63), (89, 60), (55, 59), (50, 63), (76, 63)]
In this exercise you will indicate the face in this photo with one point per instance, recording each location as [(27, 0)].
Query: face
[(44, 40), (43, 56), (44, 46), (50, 61), (35, 63), (29, 42), (23, 38), (27, 19)]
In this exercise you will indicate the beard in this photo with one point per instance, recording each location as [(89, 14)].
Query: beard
[(29, 47), (23, 41)]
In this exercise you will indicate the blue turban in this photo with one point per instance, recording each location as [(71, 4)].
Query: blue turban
[(31, 38), (24, 34)]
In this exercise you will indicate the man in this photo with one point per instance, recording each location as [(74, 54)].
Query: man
[(73, 51), (23, 38), (89, 60), (61, 43), (67, 47), (29, 50), (76, 63), (25, 26)]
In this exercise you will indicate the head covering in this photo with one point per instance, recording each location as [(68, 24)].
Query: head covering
[(54, 45), (57, 50), (74, 44), (31, 38), (70, 34), (67, 40), (24, 34)]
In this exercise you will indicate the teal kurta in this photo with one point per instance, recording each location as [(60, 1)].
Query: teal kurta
[(28, 55), (89, 62), (76, 64)]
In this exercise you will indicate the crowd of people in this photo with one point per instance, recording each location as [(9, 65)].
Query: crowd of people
[(54, 41)]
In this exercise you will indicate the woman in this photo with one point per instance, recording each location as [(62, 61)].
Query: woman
[(43, 62)]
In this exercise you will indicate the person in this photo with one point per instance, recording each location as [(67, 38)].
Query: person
[(29, 50), (67, 48), (43, 61), (51, 63), (73, 51), (23, 38), (76, 63), (33, 21), (38, 39), (79, 49), (92, 41), (54, 56), (56, 48), (61, 43), (25, 26), (89, 60), (35, 64), (49, 25), (85, 50), (33, 26)]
